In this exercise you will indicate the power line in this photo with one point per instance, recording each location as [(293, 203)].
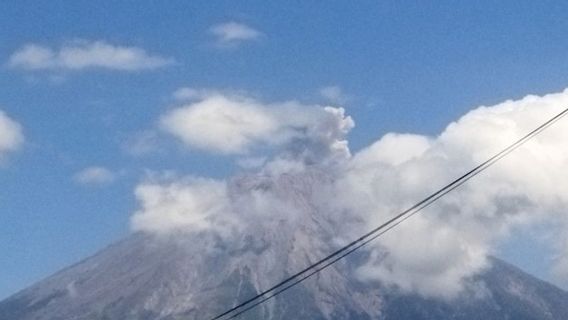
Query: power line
[(322, 264)]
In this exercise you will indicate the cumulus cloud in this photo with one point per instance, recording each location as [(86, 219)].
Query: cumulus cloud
[(220, 124), (11, 134), (233, 124), (434, 254), (82, 55), (94, 176), (233, 33), (188, 204)]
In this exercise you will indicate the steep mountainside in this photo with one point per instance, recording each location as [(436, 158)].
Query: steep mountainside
[(197, 276)]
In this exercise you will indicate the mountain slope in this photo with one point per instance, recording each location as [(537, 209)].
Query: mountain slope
[(140, 278), (198, 276)]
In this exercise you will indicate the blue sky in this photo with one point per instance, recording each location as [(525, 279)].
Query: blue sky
[(394, 66)]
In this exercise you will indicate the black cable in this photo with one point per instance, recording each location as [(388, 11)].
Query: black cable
[(385, 227)]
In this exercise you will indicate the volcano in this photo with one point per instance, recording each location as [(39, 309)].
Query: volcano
[(198, 275)]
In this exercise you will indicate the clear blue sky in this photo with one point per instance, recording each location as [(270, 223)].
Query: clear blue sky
[(404, 66)]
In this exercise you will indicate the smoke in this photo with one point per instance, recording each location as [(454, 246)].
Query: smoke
[(434, 254), (236, 124)]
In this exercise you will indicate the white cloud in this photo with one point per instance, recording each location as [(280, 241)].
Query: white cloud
[(231, 124), (333, 94), (94, 176), (189, 205), (434, 254), (220, 124), (82, 55), (426, 257), (394, 149), (11, 135), (233, 33)]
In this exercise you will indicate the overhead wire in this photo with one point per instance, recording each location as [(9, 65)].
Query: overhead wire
[(327, 261)]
